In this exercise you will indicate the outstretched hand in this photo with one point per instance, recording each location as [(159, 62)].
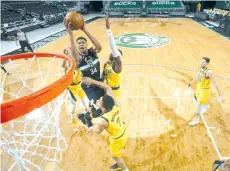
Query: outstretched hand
[(84, 25), (68, 27)]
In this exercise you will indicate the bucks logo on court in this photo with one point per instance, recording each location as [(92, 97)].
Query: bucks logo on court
[(141, 40)]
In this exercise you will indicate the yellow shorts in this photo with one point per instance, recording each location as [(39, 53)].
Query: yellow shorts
[(117, 145), (202, 95), (76, 90), (117, 93)]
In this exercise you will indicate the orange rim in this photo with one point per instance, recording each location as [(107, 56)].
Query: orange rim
[(21, 106)]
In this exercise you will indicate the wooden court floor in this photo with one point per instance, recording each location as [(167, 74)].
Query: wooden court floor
[(153, 102)]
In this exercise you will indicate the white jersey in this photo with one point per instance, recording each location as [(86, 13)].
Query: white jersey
[(21, 36)]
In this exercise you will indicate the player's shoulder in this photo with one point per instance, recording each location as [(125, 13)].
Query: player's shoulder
[(208, 71)]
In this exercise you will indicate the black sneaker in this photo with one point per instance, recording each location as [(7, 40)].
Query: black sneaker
[(82, 118), (115, 167)]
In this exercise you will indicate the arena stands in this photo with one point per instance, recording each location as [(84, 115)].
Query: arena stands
[(30, 15), (216, 18)]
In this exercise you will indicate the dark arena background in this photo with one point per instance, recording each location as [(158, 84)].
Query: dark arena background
[(162, 43)]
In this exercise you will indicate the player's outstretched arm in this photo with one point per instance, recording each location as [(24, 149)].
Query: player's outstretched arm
[(116, 54), (74, 52), (93, 39), (211, 76), (103, 73), (108, 90)]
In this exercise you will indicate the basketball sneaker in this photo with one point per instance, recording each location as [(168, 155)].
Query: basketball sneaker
[(194, 122), (115, 167)]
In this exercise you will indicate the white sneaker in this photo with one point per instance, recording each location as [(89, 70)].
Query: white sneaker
[(194, 122), (205, 108)]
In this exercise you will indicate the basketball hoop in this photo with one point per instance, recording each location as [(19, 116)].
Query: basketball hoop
[(30, 115)]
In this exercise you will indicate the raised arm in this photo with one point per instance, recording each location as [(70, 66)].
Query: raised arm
[(74, 52), (115, 53), (211, 76), (103, 73), (95, 42)]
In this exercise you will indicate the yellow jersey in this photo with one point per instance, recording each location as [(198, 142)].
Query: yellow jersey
[(113, 79), (116, 127), (203, 81), (77, 77)]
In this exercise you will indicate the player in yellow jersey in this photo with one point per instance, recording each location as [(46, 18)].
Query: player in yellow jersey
[(113, 68), (75, 88), (111, 121), (204, 78)]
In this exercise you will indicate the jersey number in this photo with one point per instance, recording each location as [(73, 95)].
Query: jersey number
[(118, 121), (93, 70)]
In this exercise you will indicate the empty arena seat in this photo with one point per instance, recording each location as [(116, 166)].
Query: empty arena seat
[(9, 16)]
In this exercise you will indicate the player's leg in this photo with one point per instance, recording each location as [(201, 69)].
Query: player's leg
[(28, 46), (84, 98), (117, 94), (85, 117), (116, 148), (93, 94), (202, 106), (22, 44), (73, 102), (120, 164)]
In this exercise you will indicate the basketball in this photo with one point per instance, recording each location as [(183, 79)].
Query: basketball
[(76, 20)]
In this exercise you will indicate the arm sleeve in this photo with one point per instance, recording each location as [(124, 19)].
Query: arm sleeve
[(112, 44)]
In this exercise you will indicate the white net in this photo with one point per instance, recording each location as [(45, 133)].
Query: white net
[(32, 141)]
